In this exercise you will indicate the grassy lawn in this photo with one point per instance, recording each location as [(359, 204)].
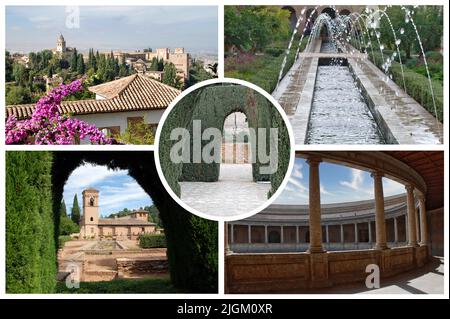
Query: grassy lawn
[(124, 286), (262, 69)]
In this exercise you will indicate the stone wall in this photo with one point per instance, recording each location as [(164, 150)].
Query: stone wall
[(126, 267), (295, 272)]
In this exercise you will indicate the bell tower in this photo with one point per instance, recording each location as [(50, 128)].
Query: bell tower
[(90, 212)]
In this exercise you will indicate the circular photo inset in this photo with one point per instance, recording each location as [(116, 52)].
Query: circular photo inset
[(224, 149)]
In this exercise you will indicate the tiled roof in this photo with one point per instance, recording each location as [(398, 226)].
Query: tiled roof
[(136, 92), (124, 222)]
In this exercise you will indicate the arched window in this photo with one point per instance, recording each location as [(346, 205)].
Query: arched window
[(91, 201), (92, 219)]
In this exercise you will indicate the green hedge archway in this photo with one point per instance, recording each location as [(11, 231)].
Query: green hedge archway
[(211, 105)]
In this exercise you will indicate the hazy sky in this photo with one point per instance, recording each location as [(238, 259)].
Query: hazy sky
[(117, 189), (337, 184), (33, 28)]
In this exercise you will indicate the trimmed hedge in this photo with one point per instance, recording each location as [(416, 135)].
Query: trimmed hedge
[(30, 241), (417, 86), (211, 105), (152, 241), (63, 239)]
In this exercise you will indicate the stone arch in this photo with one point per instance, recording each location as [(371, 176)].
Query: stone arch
[(292, 16), (312, 19), (192, 265), (344, 12), (211, 105), (330, 11)]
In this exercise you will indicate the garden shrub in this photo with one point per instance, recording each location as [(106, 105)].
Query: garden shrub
[(263, 71), (152, 241), (417, 86), (30, 241), (63, 239)]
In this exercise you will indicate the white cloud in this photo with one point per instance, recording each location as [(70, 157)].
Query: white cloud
[(88, 175), (391, 187), (356, 181), (324, 191)]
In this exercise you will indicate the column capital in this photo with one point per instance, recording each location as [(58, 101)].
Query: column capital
[(420, 196), (376, 174), (314, 160), (409, 188)]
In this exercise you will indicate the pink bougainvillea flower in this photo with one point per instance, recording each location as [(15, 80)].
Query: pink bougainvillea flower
[(48, 126)]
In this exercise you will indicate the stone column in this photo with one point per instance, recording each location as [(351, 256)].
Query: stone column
[(356, 233), (297, 238), (380, 222), (423, 221), (370, 232), (327, 234), (232, 233), (395, 230), (249, 234), (266, 239), (412, 235), (315, 227), (342, 234), (281, 234), (227, 244)]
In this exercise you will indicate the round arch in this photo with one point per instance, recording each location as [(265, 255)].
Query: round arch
[(330, 11), (292, 15), (192, 265), (344, 12)]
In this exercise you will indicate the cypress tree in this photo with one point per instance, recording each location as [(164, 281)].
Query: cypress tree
[(80, 64), (74, 61), (63, 209), (75, 216)]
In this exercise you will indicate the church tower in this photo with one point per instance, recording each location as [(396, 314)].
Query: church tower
[(61, 45), (90, 213)]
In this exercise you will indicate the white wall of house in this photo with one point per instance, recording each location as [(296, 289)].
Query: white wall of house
[(101, 120)]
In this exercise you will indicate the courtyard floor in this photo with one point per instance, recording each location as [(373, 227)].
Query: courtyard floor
[(426, 280), (235, 193)]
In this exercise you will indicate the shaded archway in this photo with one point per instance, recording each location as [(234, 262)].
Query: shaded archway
[(310, 20), (191, 241), (330, 11), (344, 12), (274, 237), (292, 15)]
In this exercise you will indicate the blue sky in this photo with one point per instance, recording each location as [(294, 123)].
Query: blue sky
[(337, 184), (33, 28), (117, 189)]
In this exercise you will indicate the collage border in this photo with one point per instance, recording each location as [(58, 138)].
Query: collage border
[(221, 295)]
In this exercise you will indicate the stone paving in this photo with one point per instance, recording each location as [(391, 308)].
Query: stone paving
[(426, 280), (235, 193)]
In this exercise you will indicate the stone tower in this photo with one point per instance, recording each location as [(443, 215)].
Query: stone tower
[(89, 221), (61, 44)]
